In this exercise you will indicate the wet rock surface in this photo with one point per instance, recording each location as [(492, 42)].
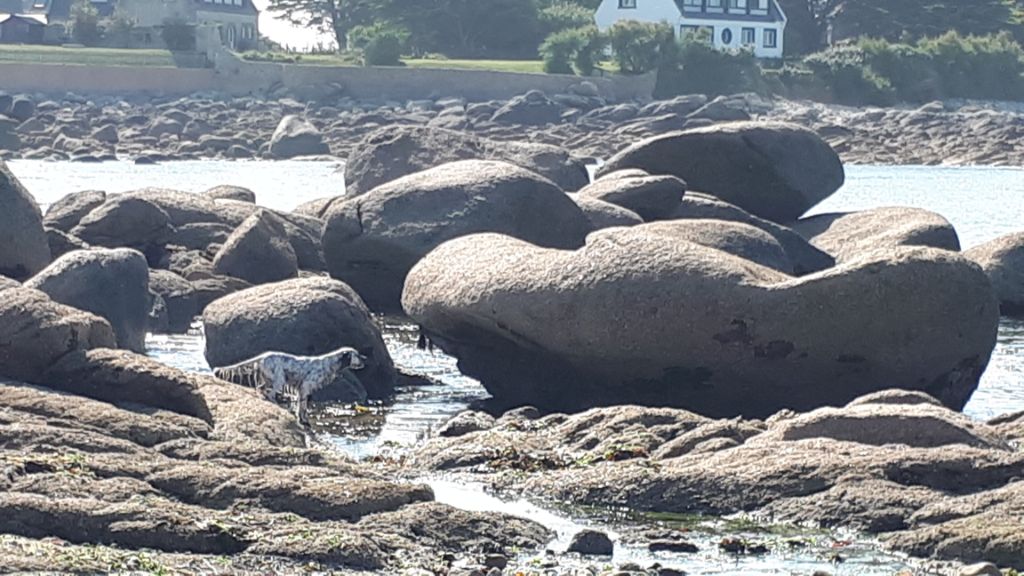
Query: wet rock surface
[(937, 486), (173, 489)]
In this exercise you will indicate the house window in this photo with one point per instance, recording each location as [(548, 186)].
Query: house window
[(747, 37), (771, 38), (627, 4), (713, 5), (726, 36), (701, 33), (759, 6), (737, 5), (693, 5)]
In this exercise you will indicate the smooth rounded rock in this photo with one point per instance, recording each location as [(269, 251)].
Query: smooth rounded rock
[(805, 257), (643, 318), (66, 213), (850, 235), (603, 214), (371, 241), (773, 170), (258, 251), (229, 192), (651, 197), (306, 317), (1003, 261), (36, 331), (740, 240), (395, 151), (125, 221), (296, 136), (113, 284), (24, 249), (591, 543)]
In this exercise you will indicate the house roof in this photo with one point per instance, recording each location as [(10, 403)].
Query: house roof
[(774, 14), (227, 6)]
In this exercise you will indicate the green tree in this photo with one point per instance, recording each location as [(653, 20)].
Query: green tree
[(84, 22), (564, 15), (467, 28), (178, 34), (336, 17), (639, 46)]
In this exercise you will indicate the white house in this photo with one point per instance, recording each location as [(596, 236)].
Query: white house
[(732, 24)]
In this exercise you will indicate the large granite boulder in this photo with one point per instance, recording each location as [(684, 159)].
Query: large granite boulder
[(66, 213), (258, 251), (773, 170), (229, 192), (734, 238), (652, 197), (395, 151), (23, 246), (371, 241), (61, 242), (113, 284), (296, 136), (35, 332), (805, 257), (1003, 261), (180, 298), (644, 318), (125, 221), (306, 317), (603, 214), (533, 108), (849, 235)]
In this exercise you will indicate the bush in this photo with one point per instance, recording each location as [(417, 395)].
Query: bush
[(843, 69), (639, 46), (178, 35), (84, 23), (695, 66), (587, 56), (380, 45), (875, 71), (559, 49)]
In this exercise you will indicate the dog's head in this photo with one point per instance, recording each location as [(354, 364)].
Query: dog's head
[(352, 359)]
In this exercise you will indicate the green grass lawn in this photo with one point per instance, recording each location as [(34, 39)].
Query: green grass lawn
[(534, 66), (29, 54)]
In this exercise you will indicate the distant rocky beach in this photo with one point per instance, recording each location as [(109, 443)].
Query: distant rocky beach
[(84, 129)]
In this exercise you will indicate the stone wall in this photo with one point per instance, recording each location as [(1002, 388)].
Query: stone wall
[(60, 78)]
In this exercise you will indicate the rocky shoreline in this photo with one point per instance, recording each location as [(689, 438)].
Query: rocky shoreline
[(713, 352), (91, 129)]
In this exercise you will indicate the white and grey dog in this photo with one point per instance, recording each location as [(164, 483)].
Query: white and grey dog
[(278, 374)]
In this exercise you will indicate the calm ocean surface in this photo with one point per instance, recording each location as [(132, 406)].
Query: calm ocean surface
[(982, 203)]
